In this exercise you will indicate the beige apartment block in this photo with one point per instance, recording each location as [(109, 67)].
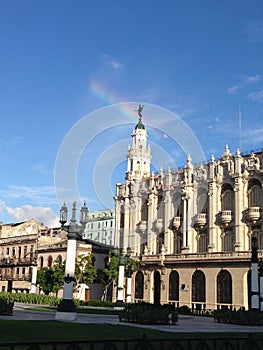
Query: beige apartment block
[(191, 228), (24, 243)]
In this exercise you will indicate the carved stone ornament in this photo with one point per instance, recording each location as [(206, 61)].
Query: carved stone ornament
[(164, 270)]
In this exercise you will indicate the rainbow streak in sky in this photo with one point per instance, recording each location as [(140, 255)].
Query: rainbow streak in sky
[(110, 98)]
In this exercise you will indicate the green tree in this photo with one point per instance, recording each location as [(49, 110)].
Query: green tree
[(51, 279), (109, 275), (85, 272)]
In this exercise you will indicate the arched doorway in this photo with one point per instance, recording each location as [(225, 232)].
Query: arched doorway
[(174, 288), (224, 289), (139, 279), (157, 287), (198, 291)]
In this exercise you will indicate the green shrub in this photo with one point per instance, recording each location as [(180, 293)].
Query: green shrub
[(31, 298), (6, 305), (241, 316), (146, 313), (184, 310)]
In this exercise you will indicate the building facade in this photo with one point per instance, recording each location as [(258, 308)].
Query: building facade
[(24, 243), (101, 227), (191, 229)]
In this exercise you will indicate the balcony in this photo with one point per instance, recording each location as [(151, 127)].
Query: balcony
[(252, 215), (225, 217), (176, 222), (158, 225), (200, 220), (142, 226)]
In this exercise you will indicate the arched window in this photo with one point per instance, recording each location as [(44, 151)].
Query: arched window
[(224, 288), (144, 211), (198, 290), (202, 242), (174, 286), (49, 261), (178, 239), (157, 287), (139, 279), (227, 197), (41, 259), (178, 204), (202, 201), (254, 194), (228, 240), (160, 207), (59, 258)]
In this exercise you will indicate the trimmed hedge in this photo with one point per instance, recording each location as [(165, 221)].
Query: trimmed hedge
[(6, 304), (146, 313), (31, 298), (41, 299), (241, 317)]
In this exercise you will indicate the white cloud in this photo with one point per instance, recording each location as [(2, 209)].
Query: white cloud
[(256, 95), (233, 89), (111, 61), (254, 137), (12, 141), (253, 79), (43, 215), (39, 168), (44, 194)]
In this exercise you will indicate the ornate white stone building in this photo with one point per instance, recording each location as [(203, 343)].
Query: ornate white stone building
[(191, 229)]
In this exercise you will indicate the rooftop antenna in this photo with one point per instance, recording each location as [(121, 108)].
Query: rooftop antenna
[(240, 128)]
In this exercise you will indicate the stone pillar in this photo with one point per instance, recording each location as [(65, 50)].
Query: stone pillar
[(119, 302), (66, 309), (129, 289), (254, 275), (33, 288)]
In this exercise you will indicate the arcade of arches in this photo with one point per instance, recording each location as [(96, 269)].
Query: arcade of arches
[(201, 291)]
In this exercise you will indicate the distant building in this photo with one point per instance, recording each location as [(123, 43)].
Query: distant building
[(101, 227), (191, 229), (21, 243)]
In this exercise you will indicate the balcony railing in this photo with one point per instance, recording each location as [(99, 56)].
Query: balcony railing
[(200, 220), (158, 225), (176, 222), (225, 217), (252, 214), (142, 226)]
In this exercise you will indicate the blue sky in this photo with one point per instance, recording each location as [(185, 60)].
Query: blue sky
[(62, 60)]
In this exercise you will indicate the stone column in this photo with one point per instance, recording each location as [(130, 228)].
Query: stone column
[(254, 276)]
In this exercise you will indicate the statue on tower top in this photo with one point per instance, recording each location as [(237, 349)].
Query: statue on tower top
[(139, 110)]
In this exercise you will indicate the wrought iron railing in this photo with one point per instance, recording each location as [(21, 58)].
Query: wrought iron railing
[(203, 343)]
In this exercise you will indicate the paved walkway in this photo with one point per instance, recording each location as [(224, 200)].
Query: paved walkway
[(184, 324)]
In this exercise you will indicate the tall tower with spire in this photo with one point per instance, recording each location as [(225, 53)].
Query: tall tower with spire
[(139, 154)]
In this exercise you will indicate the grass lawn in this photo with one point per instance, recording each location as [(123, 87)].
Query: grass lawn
[(14, 331), (17, 331), (80, 310)]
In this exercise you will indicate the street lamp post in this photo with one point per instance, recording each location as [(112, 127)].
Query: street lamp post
[(254, 275), (66, 310), (126, 269), (129, 269), (119, 302), (33, 288)]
